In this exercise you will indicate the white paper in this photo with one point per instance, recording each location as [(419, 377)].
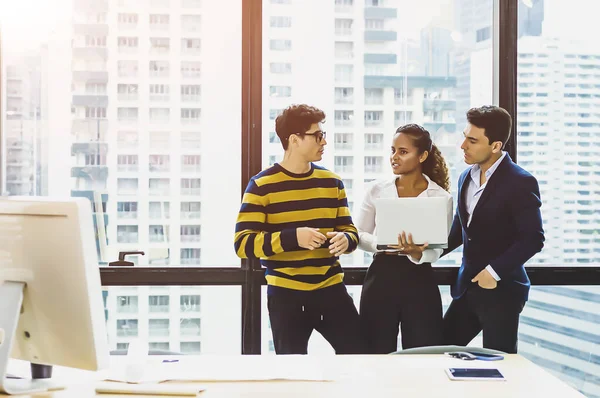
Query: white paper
[(217, 369)]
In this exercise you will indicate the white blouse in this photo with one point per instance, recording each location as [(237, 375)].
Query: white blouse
[(365, 221)]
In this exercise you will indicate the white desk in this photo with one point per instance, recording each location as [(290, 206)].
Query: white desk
[(369, 376)]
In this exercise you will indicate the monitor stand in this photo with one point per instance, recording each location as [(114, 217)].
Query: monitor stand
[(11, 299)]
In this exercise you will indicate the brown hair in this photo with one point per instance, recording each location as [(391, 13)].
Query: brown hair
[(296, 119)]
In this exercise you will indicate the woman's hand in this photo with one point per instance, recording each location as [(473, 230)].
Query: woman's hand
[(408, 247)]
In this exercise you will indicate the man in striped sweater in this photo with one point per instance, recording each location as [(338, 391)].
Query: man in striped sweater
[(295, 218)]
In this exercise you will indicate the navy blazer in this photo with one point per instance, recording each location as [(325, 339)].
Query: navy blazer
[(505, 230)]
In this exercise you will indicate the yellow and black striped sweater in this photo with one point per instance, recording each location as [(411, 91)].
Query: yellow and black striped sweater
[(275, 203)]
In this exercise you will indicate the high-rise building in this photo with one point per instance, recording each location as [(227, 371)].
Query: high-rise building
[(531, 17), (22, 123), (142, 136), (474, 22), (558, 142), (89, 103), (437, 45)]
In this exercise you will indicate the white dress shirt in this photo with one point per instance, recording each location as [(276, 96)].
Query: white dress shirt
[(365, 221), (473, 193)]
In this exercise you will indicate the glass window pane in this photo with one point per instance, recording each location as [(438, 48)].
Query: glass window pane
[(106, 101), (560, 331), (379, 67), (558, 126), (181, 319)]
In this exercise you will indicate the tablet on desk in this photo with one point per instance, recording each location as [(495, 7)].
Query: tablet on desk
[(428, 219), (474, 374)]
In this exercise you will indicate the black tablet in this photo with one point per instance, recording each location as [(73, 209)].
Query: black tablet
[(474, 374)]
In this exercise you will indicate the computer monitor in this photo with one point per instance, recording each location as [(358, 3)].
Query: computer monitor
[(51, 310)]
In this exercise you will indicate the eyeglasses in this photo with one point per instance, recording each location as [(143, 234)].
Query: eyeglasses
[(319, 135)]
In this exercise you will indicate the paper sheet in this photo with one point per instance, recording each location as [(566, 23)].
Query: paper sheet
[(227, 369)]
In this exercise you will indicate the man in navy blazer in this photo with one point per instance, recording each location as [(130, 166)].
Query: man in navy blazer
[(499, 224)]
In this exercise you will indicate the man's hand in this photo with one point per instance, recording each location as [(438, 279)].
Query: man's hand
[(339, 243), (408, 247), (309, 238), (485, 280)]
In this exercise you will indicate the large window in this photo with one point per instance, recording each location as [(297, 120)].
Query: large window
[(138, 107), (175, 318), (74, 126), (104, 100), (560, 330)]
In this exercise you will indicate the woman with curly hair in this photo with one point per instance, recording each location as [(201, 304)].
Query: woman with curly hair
[(399, 288)]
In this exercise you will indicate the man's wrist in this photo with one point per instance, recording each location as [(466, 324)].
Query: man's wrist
[(492, 273), (347, 242)]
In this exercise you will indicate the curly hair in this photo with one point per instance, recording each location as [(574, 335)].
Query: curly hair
[(434, 166), (296, 119)]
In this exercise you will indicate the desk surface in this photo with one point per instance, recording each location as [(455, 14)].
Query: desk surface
[(381, 376)]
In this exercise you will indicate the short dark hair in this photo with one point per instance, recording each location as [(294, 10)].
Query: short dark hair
[(495, 121), (296, 119)]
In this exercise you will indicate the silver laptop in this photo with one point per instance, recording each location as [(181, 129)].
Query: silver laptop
[(428, 219)]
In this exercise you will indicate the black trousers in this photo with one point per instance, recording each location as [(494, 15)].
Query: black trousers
[(399, 292), (330, 311), (495, 311)]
